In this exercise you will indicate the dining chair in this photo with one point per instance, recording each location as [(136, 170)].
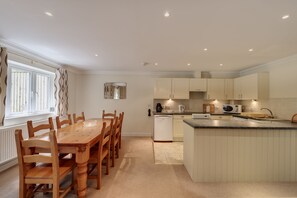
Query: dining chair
[(109, 115), (102, 152), (79, 118), (38, 171), (63, 122), (120, 136), (32, 130), (115, 139)]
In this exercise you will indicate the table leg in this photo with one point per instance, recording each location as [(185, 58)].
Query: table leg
[(81, 158), (82, 179)]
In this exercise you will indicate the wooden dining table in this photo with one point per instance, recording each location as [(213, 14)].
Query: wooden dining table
[(77, 139)]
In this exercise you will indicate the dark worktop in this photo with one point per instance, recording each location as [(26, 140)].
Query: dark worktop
[(240, 124), (186, 113)]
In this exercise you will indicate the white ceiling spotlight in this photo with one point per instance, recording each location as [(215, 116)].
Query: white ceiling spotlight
[(285, 16), (156, 64), (189, 64), (48, 14), (96, 54), (251, 50), (166, 14), (205, 49), (221, 64)]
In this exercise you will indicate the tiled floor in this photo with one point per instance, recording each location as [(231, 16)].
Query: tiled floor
[(168, 152), (137, 176)]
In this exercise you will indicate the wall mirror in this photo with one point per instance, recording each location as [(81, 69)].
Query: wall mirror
[(115, 90)]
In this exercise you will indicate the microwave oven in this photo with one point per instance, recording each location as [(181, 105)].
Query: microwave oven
[(230, 108)]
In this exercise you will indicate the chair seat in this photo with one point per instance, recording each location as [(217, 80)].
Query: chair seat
[(42, 171), (93, 158)]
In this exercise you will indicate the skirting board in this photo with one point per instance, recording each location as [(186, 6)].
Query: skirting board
[(137, 134), (8, 164)]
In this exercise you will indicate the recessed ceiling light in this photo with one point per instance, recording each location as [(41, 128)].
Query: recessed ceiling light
[(166, 14), (285, 16), (250, 50), (221, 64), (189, 64), (96, 54), (205, 49), (48, 14), (156, 64)]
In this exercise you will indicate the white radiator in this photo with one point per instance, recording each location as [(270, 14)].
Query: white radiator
[(7, 143)]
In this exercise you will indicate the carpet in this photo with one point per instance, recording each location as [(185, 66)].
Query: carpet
[(168, 153)]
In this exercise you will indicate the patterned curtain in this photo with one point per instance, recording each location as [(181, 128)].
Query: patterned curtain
[(3, 83), (61, 91)]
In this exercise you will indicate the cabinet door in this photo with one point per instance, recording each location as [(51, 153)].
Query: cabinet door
[(180, 88), (229, 89), (178, 131), (162, 89), (249, 87), (215, 88), (237, 88), (197, 84)]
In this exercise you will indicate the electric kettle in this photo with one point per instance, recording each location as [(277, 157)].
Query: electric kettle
[(181, 108)]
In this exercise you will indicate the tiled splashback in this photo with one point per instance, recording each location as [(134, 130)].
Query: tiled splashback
[(281, 108), (195, 103)]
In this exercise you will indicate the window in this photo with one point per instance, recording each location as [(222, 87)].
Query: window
[(29, 91)]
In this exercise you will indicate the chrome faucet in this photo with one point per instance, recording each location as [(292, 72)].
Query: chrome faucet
[(271, 114)]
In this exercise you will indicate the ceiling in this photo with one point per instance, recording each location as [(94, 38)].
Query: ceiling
[(133, 35)]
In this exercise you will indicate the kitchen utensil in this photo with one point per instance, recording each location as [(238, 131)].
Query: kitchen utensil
[(208, 108)]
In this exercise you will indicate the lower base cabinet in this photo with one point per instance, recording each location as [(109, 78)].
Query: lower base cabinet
[(178, 132)]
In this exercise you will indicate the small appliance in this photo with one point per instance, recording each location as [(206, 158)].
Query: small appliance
[(181, 108), (159, 108), (230, 108)]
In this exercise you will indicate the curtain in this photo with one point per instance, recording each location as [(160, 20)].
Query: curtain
[(3, 83), (61, 91)]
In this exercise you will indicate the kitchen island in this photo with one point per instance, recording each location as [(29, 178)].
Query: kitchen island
[(240, 150)]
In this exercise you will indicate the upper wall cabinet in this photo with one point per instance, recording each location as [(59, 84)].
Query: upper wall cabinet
[(229, 89), (162, 89), (198, 84), (215, 88), (254, 86), (174, 88)]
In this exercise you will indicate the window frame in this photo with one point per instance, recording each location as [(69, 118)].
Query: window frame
[(31, 107)]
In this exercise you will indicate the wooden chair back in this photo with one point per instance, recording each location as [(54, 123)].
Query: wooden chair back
[(121, 120), (63, 122), (109, 115), (32, 130), (102, 152), (79, 118), (38, 169)]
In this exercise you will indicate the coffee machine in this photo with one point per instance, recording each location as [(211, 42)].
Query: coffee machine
[(159, 107)]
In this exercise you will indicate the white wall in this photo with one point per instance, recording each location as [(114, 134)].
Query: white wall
[(90, 99)]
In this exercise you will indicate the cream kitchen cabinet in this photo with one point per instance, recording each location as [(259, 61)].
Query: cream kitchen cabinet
[(198, 84), (174, 88), (254, 86), (178, 131), (162, 89), (215, 89), (229, 89)]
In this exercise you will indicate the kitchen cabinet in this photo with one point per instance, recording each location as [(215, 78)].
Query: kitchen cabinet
[(215, 89), (178, 131), (174, 88), (254, 86), (162, 89), (198, 84), (229, 89)]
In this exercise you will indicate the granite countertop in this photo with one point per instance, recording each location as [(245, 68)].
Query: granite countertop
[(240, 124)]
